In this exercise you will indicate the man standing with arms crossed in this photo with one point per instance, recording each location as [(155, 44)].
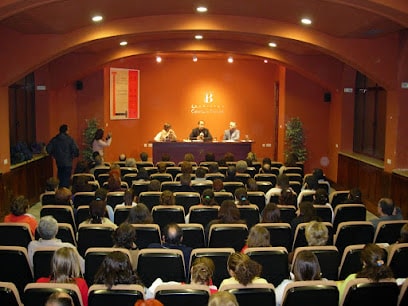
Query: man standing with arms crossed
[(64, 149)]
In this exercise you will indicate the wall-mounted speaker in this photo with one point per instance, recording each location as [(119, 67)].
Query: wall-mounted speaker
[(79, 85), (327, 97)]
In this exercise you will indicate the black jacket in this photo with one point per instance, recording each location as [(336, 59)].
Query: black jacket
[(64, 149)]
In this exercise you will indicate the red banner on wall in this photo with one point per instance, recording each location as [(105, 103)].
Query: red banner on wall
[(124, 93)]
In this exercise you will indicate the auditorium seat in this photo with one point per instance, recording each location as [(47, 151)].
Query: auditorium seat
[(316, 293), (252, 294), (123, 295)]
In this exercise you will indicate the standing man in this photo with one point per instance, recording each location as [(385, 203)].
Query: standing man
[(200, 132), (232, 133), (64, 149)]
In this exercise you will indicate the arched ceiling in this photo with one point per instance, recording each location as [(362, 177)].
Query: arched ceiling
[(60, 28)]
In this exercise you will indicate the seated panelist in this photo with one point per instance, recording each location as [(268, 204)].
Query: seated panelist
[(232, 134), (200, 132), (167, 134)]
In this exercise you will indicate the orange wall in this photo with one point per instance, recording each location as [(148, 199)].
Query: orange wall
[(242, 91)]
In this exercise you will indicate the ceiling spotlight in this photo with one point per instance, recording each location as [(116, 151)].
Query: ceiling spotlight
[(306, 21), (195, 58), (201, 9), (198, 36), (265, 61), (272, 45), (230, 59), (158, 59), (123, 43), (97, 18)]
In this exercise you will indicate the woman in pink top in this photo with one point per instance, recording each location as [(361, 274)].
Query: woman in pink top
[(19, 207), (65, 268)]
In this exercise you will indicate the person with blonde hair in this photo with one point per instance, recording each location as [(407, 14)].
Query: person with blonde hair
[(243, 270), (202, 270), (223, 298), (316, 233), (65, 268), (258, 236)]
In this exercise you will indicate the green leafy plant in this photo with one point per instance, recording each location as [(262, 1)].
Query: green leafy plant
[(89, 132), (295, 139)]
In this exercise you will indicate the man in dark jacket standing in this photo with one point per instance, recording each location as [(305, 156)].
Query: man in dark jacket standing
[(64, 149)]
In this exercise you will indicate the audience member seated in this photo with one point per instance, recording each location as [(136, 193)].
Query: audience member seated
[(52, 184), (241, 166), (200, 177), (122, 157), (321, 197), (271, 214), (202, 270), (161, 167), (354, 197), (288, 197), (167, 198), (48, 229), (98, 164), (63, 196), (223, 298), (59, 299), (97, 211), (214, 168), (316, 233), (81, 185), (403, 234), (186, 167), (154, 185), (258, 237), (65, 268), (116, 269), (251, 185), (81, 167), (130, 162), (282, 182), (144, 156), (229, 157), (305, 213), (207, 199), (228, 213), (129, 199), (243, 270), (210, 157), (231, 175), (172, 238), (185, 181), (101, 194), (19, 207), (142, 175), (291, 161), (305, 268), (241, 196), (139, 214), (124, 237), (387, 211), (374, 267), (313, 181), (114, 183), (218, 185)]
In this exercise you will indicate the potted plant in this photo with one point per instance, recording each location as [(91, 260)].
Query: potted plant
[(89, 132), (295, 139)]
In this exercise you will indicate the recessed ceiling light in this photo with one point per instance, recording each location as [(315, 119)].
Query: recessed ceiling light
[(123, 43), (230, 59), (201, 9), (195, 58), (158, 59), (272, 45), (306, 21), (198, 36), (97, 18), (265, 61)]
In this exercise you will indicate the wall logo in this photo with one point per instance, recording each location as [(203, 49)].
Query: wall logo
[(208, 97), (208, 107)]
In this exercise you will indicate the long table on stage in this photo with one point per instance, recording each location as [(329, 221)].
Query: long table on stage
[(176, 150)]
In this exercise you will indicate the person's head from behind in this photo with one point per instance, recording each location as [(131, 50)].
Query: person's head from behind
[(291, 160), (306, 267), (161, 167), (231, 171), (189, 157), (321, 197), (185, 179), (59, 299), (128, 197), (116, 269), (271, 214), (130, 162), (63, 129), (213, 168), (229, 212), (122, 157), (251, 185), (218, 185), (101, 194), (142, 174), (65, 265), (207, 198), (266, 160), (202, 270), (241, 166), (209, 156), (307, 210), (242, 268), (52, 184), (266, 168), (139, 214), (287, 197), (354, 196), (282, 181), (223, 298), (173, 234), (167, 198), (241, 196), (200, 172), (373, 259), (154, 185), (81, 184), (186, 167), (229, 157), (98, 160), (258, 237), (63, 196), (386, 207), (316, 233), (47, 227), (19, 206), (97, 211), (124, 236), (144, 156), (114, 182), (148, 302), (318, 174), (98, 134), (404, 234)]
